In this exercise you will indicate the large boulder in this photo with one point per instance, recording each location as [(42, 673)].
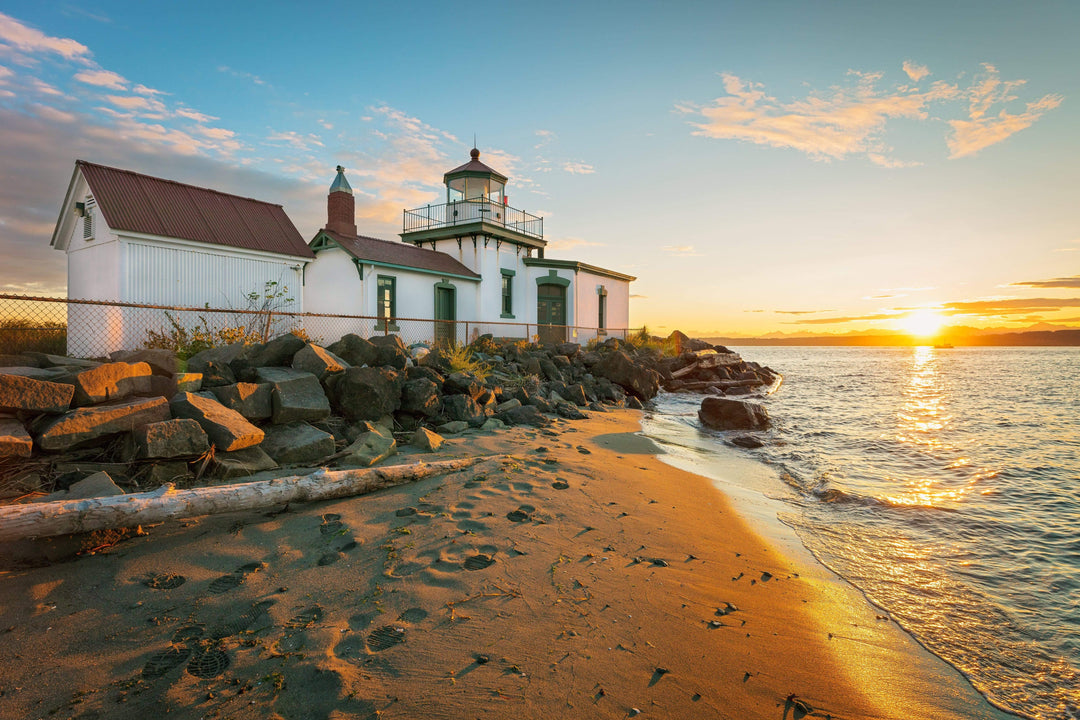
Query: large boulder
[(111, 381), (86, 424), (354, 350), (617, 367), (252, 400), (523, 415), (18, 392), (421, 397), (170, 438), (463, 407), (426, 440), (242, 463), (296, 396), (367, 393), (222, 355), (721, 413), (390, 351), (217, 373), (226, 428), (437, 360), (297, 444), (462, 383), (277, 352), (318, 361), (161, 361), (14, 440)]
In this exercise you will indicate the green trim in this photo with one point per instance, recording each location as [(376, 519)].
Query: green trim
[(425, 271), (511, 273), (447, 285), (577, 267), (359, 268), (386, 321), (552, 279), (468, 229), (509, 317)]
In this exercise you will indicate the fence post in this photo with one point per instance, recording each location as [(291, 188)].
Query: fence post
[(466, 332), (266, 330)]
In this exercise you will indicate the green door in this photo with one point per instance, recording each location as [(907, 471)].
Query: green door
[(445, 315), (551, 313)]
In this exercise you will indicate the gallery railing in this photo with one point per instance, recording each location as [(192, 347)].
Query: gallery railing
[(465, 212), (94, 328)]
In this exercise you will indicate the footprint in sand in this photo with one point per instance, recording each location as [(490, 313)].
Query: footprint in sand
[(385, 637), (478, 562), (333, 529), (522, 514), (234, 579), (413, 615), (208, 663), (560, 485), (297, 639), (164, 581), (256, 616), (161, 663)]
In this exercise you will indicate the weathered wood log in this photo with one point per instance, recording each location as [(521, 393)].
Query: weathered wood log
[(686, 370), (65, 517)]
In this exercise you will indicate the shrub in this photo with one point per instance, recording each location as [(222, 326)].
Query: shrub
[(461, 360), (47, 336)]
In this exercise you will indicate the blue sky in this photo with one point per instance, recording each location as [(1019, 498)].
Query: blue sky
[(761, 167)]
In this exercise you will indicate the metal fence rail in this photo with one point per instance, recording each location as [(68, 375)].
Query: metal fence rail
[(95, 328)]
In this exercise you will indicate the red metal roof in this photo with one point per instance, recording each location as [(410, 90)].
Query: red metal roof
[(369, 249), (140, 203)]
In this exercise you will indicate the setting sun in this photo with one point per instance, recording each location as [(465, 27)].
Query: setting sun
[(923, 323)]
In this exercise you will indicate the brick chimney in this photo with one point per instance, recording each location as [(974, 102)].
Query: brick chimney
[(340, 206)]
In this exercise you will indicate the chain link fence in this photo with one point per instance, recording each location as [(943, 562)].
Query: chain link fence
[(93, 328)]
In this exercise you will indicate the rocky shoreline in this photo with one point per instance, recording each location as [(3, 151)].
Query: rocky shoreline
[(73, 428)]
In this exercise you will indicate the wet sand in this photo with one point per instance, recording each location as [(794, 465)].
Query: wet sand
[(573, 575)]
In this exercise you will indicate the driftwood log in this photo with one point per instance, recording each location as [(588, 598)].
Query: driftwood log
[(66, 517)]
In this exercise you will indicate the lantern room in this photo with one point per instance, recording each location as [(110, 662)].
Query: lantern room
[(475, 181)]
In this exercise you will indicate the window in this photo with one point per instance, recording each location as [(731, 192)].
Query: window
[(386, 300), (601, 315), (507, 293)]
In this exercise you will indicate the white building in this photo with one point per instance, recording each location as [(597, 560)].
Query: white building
[(133, 238), (468, 266)]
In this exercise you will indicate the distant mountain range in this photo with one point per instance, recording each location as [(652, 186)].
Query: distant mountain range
[(1042, 334)]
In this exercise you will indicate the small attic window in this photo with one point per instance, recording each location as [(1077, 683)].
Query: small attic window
[(88, 218)]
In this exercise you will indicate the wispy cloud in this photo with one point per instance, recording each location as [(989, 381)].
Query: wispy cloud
[(578, 168), (1008, 306), (16, 36), (844, 319), (681, 250), (295, 139), (1064, 282), (981, 130), (915, 71), (569, 243), (800, 312), (241, 75), (851, 119), (102, 78)]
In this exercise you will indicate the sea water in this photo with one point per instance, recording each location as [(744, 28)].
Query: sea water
[(945, 485)]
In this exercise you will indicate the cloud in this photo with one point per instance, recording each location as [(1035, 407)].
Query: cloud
[(847, 120), (570, 243), (295, 139), (242, 75), (681, 250), (981, 130), (1013, 306), (636, 296), (851, 119), (26, 39), (800, 312), (136, 102), (578, 168), (915, 71), (1065, 282), (102, 78), (845, 319), (194, 115)]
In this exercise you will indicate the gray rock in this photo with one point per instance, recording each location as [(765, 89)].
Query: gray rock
[(390, 351), (426, 440), (19, 361), (227, 429), (722, 413), (635, 379), (569, 411), (252, 400), (318, 361), (112, 381), (50, 374), (216, 373), (159, 473), (14, 440), (18, 392), (97, 485), (296, 397), (492, 424), (574, 394), (161, 361), (421, 397), (365, 426), (747, 441), (219, 355), (436, 360), (367, 393), (568, 349), (524, 415), (462, 383), (297, 443), (188, 382), (90, 423), (368, 449), (453, 427), (241, 463), (354, 350), (507, 405), (277, 352), (171, 438), (463, 407)]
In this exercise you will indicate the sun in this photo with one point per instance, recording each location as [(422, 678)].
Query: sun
[(923, 323)]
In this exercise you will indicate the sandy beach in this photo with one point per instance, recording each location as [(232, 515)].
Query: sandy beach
[(574, 574)]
